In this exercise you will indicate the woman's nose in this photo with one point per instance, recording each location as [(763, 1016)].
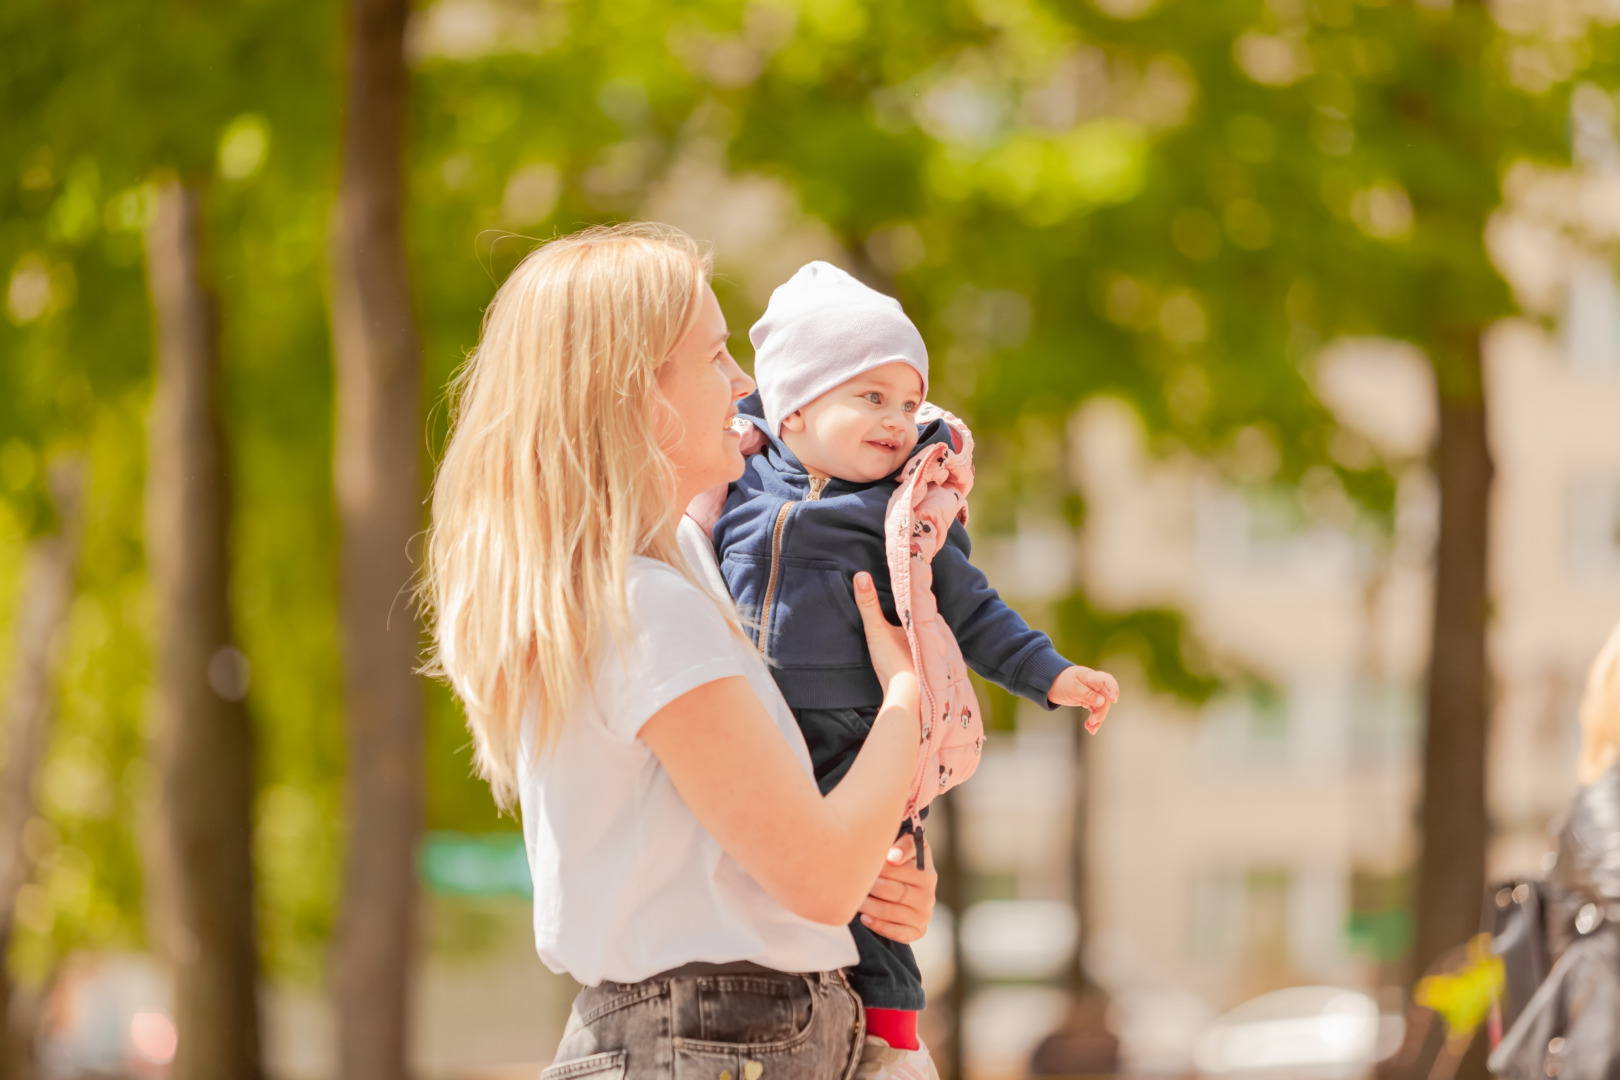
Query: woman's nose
[(741, 384)]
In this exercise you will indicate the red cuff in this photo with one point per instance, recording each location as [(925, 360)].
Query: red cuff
[(897, 1027)]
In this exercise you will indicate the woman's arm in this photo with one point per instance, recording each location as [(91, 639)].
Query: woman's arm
[(815, 855)]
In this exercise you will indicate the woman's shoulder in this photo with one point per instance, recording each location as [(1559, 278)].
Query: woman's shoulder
[(658, 595), (676, 640), (650, 582)]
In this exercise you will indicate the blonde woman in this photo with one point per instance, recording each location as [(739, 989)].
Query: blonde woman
[(687, 870)]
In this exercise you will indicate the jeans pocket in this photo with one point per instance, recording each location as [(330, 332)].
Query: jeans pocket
[(746, 1010), (825, 1046), (694, 1060), (607, 1066)]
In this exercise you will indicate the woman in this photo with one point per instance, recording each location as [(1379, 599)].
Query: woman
[(1570, 1027), (687, 871)]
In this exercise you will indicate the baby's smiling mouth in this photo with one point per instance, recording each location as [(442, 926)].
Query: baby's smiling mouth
[(888, 446)]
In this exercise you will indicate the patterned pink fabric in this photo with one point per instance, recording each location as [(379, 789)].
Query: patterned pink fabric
[(932, 494)]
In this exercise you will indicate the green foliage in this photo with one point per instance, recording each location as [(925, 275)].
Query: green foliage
[(1158, 639), (87, 884), (102, 98)]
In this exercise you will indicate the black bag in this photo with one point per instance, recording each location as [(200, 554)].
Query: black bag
[(1516, 919), (1570, 1029)]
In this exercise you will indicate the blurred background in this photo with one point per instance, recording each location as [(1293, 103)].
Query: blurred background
[(1289, 331)]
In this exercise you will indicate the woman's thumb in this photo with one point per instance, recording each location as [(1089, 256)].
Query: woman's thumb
[(865, 593)]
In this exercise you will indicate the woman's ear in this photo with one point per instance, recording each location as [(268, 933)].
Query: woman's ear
[(793, 421)]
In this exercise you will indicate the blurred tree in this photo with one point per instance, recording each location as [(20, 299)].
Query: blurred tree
[(65, 388), (205, 741), (98, 98), (49, 571), (379, 418)]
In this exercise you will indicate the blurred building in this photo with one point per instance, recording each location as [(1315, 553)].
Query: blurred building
[(1266, 840)]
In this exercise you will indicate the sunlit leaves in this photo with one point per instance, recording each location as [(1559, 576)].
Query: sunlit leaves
[(243, 147)]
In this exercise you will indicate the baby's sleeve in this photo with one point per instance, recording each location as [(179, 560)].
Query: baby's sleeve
[(996, 642)]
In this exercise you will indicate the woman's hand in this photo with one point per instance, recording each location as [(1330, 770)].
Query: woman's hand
[(901, 902), (891, 652)]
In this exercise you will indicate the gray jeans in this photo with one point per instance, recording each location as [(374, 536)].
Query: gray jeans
[(714, 1022)]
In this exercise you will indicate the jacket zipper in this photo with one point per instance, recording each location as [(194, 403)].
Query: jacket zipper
[(817, 486)]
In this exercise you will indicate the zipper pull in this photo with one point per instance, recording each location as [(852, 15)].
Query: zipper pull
[(917, 835)]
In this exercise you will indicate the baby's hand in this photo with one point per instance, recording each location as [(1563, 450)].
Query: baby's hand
[(1088, 689)]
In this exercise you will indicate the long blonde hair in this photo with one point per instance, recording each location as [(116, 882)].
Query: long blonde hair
[(1600, 713), (552, 478)]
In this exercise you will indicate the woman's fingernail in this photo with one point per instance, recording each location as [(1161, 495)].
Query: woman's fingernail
[(896, 856), (867, 919)]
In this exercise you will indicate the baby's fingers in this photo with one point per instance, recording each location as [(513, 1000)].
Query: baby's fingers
[(1103, 683)]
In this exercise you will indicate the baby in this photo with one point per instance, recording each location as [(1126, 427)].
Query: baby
[(842, 372)]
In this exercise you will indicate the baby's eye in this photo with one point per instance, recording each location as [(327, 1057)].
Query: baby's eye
[(911, 406), (874, 397)]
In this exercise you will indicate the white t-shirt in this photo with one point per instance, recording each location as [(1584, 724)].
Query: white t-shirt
[(626, 882)]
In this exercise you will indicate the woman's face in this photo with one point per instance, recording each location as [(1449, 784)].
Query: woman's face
[(701, 382)]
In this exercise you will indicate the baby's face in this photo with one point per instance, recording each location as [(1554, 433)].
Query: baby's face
[(861, 430)]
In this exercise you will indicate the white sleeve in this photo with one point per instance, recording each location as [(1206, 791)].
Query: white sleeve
[(677, 642)]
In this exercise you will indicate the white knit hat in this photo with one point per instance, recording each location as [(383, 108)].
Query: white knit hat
[(823, 328)]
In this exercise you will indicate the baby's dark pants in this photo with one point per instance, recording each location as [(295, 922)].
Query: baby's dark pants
[(886, 976)]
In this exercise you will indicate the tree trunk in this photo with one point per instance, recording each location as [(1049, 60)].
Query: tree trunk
[(49, 570), (1082, 1045), (952, 892), (205, 740), (1451, 873), (1081, 984), (378, 481)]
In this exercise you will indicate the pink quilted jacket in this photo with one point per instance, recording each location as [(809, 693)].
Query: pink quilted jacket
[(932, 493)]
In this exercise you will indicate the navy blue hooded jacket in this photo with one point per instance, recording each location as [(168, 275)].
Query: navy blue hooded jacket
[(789, 547)]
